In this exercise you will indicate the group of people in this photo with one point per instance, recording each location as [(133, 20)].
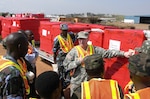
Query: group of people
[(86, 65), (69, 58), (18, 66), (80, 69)]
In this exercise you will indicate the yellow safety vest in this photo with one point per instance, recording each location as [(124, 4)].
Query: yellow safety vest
[(100, 89), (33, 43), (6, 63), (132, 96), (65, 45), (82, 53)]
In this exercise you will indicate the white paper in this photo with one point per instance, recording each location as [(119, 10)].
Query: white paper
[(14, 23), (114, 44), (44, 32)]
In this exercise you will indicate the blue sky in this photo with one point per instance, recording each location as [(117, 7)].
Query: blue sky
[(122, 7)]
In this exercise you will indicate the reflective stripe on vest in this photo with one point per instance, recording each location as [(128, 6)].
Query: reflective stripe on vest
[(33, 43), (10, 63), (114, 90), (86, 94), (87, 89), (132, 96), (65, 45), (128, 87), (82, 53)]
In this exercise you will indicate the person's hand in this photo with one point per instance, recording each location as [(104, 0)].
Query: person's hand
[(129, 53), (80, 59)]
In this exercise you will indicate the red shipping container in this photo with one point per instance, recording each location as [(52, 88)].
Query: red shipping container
[(77, 28), (27, 24), (23, 22), (96, 38), (72, 28), (14, 29), (46, 44), (6, 21), (44, 19), (19, 15), (1, 18), (5, 31), (55, 31), (103, 27), (120, 39), (46, 27)]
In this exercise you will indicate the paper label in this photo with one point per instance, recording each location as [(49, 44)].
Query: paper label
[(114, 45), (44, 32)]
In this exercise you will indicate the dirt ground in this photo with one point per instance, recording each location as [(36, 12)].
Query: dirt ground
[(41, 65)]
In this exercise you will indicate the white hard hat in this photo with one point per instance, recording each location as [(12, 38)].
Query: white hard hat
[(63, 26)]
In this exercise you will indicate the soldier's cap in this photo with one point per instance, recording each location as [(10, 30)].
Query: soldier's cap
[(139, 64), (82, 34), (46, 83), (94, 64), (145, 48), (64, 27)]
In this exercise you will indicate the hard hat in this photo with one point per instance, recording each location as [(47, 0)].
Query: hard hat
[(63, 26)]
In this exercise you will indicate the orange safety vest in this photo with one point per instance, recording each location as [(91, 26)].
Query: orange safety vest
[(4, 63), (140, 94), (100, 89), (65, 45)]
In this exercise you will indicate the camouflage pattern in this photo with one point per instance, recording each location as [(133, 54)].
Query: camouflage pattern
[(60, 58), (93, 62), (56, 48), (145, 48), (11, 83), (147, 34), (82, 34), (72, 62), (139, 64)]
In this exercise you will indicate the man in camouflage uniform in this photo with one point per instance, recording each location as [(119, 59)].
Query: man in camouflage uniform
[(60, 52), (145, 48), (13, 78), (139, 68), (74, 59)]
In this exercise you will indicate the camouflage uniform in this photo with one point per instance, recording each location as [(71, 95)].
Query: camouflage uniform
[(71, 62), (145, 48), (11, 83), (139, 68), (61, 55)]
